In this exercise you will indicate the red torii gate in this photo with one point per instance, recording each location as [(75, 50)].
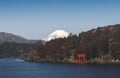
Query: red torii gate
[(81, 59)]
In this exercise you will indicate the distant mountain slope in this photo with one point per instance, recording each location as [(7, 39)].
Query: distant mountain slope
[(10, 49), (102, 45), (13, 45), (57, 34), (8, 37)]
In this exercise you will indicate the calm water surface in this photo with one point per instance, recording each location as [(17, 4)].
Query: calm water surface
[(14, 68)]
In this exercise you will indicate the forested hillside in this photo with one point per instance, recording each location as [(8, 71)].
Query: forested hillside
[(102, 45), (8, 50), (13, 45)]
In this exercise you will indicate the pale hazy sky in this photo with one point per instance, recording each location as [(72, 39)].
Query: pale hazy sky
[(35, 19)]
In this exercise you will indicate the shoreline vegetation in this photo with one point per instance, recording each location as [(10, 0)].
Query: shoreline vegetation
[(101, 46), (100, 60)]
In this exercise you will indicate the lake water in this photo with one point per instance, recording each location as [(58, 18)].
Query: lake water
[(14, 68)]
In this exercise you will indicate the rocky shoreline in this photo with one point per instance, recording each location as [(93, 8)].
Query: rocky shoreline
[(99, 60)]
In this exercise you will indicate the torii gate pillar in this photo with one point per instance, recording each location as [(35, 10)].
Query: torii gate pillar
[(82, 59)]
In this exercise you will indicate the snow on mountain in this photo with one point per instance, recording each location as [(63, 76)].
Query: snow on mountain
[(57, 34)]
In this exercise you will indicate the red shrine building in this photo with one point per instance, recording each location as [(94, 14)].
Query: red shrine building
[(81, 59)]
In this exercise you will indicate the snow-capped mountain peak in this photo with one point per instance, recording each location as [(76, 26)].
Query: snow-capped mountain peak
[(57, 34)]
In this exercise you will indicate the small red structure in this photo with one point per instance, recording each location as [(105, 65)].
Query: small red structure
[(82, 59)]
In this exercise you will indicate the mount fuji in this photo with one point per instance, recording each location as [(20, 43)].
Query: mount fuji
[(57, 34)]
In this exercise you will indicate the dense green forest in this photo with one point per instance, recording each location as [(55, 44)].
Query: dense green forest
[(102, 45)]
